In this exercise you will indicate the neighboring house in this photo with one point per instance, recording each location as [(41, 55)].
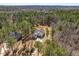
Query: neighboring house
[(16, 35)]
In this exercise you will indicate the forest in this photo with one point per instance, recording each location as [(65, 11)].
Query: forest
[(18, 30)]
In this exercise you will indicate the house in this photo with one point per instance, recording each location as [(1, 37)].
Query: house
[(16, 35), (38, 34)]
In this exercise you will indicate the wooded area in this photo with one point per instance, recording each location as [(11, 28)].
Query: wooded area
[(22, 23)]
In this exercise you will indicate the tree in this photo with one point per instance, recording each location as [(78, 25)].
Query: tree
[(52, 49), (39, 46)]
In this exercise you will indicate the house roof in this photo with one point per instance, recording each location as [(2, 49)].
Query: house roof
[(16, 35), (38, 33)]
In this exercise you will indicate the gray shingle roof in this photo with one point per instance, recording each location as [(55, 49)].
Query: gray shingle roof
[(16, 35), (38, 34)]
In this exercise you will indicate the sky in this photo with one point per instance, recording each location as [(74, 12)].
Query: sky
[(40, 2)]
